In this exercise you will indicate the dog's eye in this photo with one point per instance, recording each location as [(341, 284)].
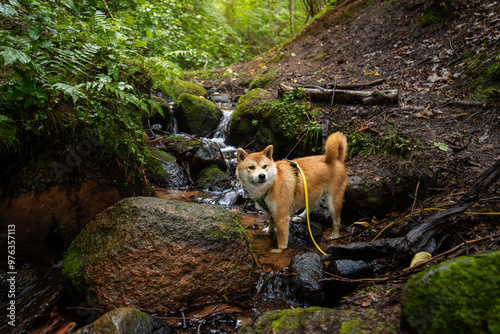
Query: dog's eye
[(251, 167), (264, 167)]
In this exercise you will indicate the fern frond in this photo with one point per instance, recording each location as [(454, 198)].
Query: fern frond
[(12, 56), (156, 107), (162, 71), (70, 90), (8, 131)]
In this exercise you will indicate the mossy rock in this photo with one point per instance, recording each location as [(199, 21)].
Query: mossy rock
[(125, 320), (213, 179), (461, 295), (286, 123), (179, 144), (263, 79), (306, 320), (184, 87), (197, 115), (154, 160), (251, 123), (162, 170), (159, 256)]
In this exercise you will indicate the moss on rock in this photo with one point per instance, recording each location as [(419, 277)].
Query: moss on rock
[(197, 115), (263, 79), (189, 253), (154, 160), (461, 295), (184, 87), (307, 320), (212, 178)]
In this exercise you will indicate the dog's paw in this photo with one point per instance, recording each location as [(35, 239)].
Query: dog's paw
[(298, 220), (276, 250), (266, 230), (334, 235)]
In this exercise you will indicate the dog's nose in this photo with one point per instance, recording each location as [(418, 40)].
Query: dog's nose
[(262, 176)]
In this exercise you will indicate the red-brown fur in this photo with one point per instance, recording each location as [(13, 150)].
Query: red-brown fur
[(325, 174)]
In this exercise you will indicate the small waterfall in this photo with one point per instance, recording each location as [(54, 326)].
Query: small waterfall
[(220, 134)]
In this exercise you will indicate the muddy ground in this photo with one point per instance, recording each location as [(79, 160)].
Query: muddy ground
[(435, 54)]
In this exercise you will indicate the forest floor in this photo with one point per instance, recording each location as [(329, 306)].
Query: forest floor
[(435, 54)]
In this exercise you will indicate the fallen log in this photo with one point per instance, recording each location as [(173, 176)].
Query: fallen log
[(422, 238), (347, 96)]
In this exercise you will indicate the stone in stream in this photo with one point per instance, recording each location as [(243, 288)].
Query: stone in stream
[(308, 270), (159, 256), (126, 320)]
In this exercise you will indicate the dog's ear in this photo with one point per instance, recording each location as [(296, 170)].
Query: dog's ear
[(240, 155), (268, 152)]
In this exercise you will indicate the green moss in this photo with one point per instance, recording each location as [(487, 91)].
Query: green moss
[(279, 56), (293, 319), (188, 88), (154, 160), (320, 56), (437, 13), (212, 178), (351, 327), (197, 115), (460, 296), (263, 79), (71, 271)]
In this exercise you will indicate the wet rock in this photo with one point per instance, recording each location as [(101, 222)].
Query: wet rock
[(299, 320), (220, 98), (207, 155), (308, 270), (335, 290), (461, 295), (159, 256), (32, 302), (126, 320), (197, 115), (162, 169), (350, 269), (212, 179)]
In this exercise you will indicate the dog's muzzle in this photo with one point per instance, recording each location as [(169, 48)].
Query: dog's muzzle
[(262, 178)]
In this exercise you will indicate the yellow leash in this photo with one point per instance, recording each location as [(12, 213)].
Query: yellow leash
[(307, 207)]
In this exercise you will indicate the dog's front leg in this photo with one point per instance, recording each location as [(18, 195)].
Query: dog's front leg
[(282, 224), (270, 228)]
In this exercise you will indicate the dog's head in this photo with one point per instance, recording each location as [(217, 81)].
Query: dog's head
[(256, 171)]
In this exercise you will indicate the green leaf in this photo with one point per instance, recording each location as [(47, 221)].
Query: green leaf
[(442, 146)]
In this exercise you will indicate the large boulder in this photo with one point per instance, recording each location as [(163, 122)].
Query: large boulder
[(159, 256), (197, 115), (461, 295)]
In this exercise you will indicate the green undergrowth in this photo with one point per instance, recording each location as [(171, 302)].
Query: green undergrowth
[(482, 73), (389, 142), (74, 86)]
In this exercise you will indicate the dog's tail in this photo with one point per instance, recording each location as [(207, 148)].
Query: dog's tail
[(336, 147)]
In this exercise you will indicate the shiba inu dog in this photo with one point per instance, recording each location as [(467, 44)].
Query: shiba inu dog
[(278, 189)]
